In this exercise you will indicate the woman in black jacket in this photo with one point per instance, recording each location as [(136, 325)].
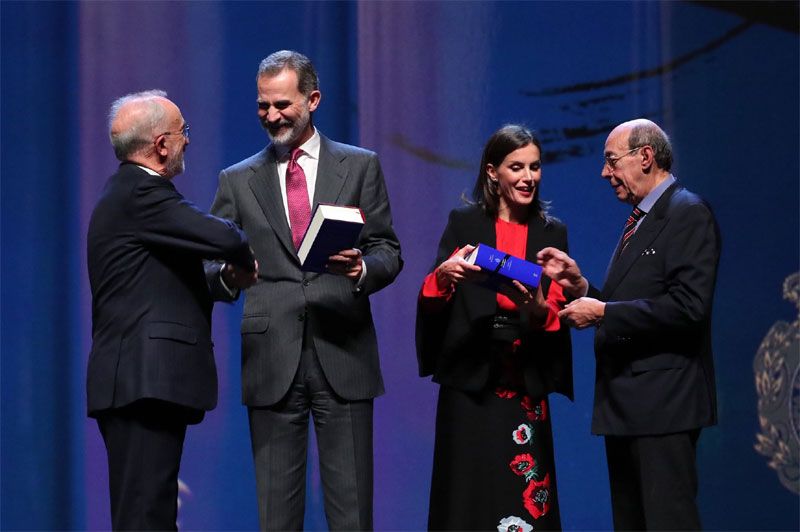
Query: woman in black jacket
[(495, 355)]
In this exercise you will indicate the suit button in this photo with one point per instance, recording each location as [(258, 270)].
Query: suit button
[(301, 317), (306, 282)]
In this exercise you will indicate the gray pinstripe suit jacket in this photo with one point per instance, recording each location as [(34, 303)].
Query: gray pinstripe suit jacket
[(285, 299)]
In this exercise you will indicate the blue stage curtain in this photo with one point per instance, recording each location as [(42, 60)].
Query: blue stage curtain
[(42, 362)]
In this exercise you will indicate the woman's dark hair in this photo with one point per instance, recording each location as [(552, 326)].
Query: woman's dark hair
[(505, 140)]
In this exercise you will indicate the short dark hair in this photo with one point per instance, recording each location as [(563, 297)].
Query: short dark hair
[(275, 63), (646, 133), (505, 140)]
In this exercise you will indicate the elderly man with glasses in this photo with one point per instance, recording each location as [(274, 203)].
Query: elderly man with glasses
[(151, 369), (654, 386)]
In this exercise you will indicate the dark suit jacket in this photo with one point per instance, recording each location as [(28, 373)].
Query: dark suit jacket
[(453, 345), (655, 373), (277, 307), (151, 306)]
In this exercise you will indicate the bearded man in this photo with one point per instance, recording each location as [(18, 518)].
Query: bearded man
[(308, 340), (151, 370)]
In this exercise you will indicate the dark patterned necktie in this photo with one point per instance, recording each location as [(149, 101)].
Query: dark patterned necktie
[(297, 198), (630, 226)]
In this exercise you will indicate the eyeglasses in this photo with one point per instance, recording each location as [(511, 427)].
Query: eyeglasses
[(612, 161), (184, 131)]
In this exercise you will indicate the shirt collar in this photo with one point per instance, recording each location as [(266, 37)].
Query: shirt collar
[(309, 147), (647, 203), (148, 170)]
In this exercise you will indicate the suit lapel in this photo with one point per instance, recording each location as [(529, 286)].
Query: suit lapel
[(650, 228), (613, 258), (267, 190), (479, 298), (484, 230), (537, 237), (331, 173)]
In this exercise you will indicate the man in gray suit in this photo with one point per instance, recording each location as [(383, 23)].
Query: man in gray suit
[(308, 340)]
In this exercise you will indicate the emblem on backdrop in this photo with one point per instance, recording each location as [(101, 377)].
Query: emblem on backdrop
[(777, 380)]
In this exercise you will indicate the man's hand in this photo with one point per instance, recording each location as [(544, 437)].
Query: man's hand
[(347, 262), (236, 277), (583, 312), (456, 270), (561, 268)]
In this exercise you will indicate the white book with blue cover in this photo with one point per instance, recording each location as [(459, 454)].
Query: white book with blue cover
[(333, 228)]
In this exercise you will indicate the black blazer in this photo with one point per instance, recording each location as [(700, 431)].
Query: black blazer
[(453, 345), (655, 373), (286, 300), (151, 307)]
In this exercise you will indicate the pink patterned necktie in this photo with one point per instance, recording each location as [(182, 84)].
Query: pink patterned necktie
[(297, 198)]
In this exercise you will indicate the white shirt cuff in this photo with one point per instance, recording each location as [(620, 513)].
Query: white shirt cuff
[(230, 292)]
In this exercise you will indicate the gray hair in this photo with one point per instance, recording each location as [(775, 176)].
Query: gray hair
[(273, 64), (144, 124), (647, 133)]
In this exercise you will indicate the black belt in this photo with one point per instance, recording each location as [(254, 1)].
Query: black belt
[(506, 328)]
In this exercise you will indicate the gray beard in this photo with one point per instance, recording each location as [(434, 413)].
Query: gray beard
[(176, 166), (294, 132)]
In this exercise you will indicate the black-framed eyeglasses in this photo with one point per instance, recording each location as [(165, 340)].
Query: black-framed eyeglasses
[(184, 131), (612, 161)]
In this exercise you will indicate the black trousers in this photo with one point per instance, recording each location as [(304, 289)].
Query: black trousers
[(144, 442), (279, 436), (654, 481)]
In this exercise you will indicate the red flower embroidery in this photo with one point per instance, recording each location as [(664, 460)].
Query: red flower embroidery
[(536, 497), (522, 464), (502, 393), (537, 412)]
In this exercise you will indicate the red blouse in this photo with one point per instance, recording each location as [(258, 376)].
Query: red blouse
[(512, 238)]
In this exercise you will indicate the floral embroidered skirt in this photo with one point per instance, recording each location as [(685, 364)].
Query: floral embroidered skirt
[(493, 465)]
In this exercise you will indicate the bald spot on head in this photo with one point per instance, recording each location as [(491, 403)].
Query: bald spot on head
[(133, 114), (173, 119), (630, 124), (133, 120), (643, 132)]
